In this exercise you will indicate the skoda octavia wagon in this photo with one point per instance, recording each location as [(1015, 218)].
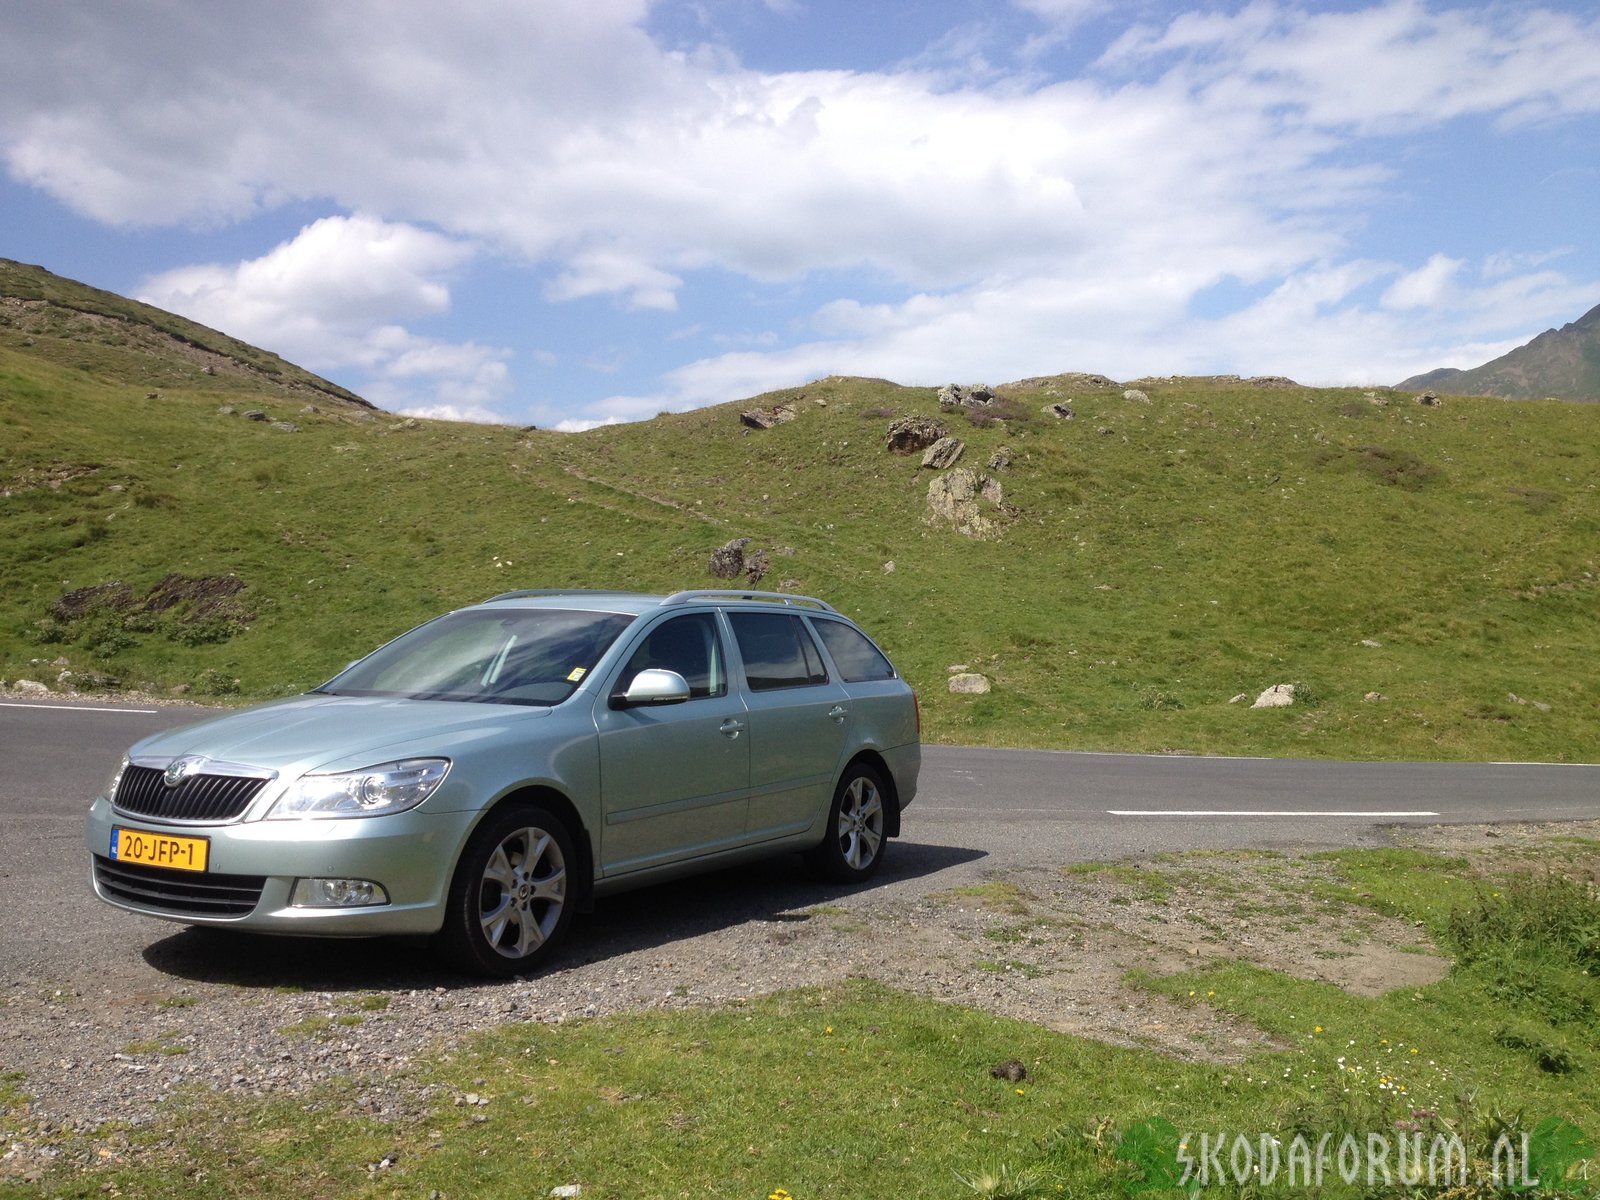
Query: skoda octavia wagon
[(486, 775)]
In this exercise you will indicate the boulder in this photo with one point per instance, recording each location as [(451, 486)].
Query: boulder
[(1061, 412), (969, 683), (1136, 394), (1279, 695), (1000, 460), (755, 566), (943, 453), (1428, 399), (727, 561), (757, 418), (911, 434), (1271, 381)]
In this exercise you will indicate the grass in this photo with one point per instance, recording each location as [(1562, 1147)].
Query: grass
[(1225, 539), (860, 1090)]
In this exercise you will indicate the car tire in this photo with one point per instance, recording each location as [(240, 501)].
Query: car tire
[(513, 893), (856, 838)]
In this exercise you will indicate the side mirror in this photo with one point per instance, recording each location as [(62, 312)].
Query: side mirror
[(654, 686)]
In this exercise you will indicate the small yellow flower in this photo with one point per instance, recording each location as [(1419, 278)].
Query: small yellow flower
[(1317, 1029), (1019, 1091), (778, 1194), (1211, 993), (827, 1029), (1413, 1050)]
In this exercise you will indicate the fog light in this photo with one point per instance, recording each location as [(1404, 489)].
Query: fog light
[(337, 893)]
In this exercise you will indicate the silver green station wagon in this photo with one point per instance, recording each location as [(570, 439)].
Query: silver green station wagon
[(488, 774)]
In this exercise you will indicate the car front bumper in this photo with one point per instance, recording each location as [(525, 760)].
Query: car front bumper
[(410, 855)]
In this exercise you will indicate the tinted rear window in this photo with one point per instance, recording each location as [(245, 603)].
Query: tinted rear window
[(853, 653)]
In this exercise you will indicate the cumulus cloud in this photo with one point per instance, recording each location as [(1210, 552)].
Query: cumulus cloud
[(331, 297), (1008, 225), (1427, 287)]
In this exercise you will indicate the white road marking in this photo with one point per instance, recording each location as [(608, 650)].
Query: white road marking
[(1262, 812), (79, 708)]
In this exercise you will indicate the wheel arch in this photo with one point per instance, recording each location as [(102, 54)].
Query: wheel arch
[(871, 758), (558, 805)]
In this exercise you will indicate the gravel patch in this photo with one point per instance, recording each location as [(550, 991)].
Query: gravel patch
[(253, 1016)]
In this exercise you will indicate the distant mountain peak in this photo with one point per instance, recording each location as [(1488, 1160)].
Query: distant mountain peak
[(1563, 362)]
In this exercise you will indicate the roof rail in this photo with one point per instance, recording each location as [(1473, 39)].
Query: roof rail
[(527, 592), (735, 594)]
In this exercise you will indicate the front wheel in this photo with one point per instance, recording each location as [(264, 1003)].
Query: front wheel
[(853, 846), (510, 897)]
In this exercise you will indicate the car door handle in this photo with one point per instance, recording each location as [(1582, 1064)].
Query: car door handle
[(732, 728), (838, 713)]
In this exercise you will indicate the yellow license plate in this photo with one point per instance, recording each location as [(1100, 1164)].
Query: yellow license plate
[(160, 849)]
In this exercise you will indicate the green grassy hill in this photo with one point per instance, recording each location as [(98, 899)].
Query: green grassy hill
[(1153, 558)]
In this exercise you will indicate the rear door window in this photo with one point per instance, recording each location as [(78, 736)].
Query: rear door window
[(777, 651)]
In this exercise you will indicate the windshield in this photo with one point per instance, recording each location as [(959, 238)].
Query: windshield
[(526, 656)]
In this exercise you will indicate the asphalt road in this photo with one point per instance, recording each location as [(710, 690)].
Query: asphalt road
[(979, 810)]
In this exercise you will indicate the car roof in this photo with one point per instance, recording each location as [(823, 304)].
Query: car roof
[(639, 603)]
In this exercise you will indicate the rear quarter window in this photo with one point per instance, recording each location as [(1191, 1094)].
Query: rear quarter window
[(858, 660)]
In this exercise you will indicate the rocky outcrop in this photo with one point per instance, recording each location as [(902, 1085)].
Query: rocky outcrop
[(766, 418), (954, 395), (943, 453), (911, 434), (729, 561), (967, 502)]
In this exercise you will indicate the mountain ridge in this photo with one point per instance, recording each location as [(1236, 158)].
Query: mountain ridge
[(1559, 364), (66, 316)]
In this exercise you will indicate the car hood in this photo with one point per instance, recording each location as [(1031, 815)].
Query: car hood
[(336, 732)]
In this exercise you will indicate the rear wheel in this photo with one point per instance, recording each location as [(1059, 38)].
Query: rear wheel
[(853, 847), (510, 899)]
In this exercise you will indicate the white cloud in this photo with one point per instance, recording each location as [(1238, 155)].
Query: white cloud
[(1429, 286), (614, 272), (330, 299), (337, 277), (1003, 226)]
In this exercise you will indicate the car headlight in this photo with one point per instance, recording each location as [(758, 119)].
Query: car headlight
[(115, 781), (370, 792)]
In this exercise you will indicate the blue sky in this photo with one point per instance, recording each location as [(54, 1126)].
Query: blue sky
[(577, 211)]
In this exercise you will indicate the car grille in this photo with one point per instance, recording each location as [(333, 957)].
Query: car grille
[(184, 892), (198, 798)]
